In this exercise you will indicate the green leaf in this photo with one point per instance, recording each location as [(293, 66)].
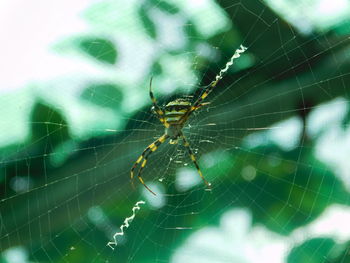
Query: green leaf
[(166, 7), (156, 69), (100, 49), (49, 127), (346, 120), (104, 95), (2, 260), (147, 22), (315, 250)]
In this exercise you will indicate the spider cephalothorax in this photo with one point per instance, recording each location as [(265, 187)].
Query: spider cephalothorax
[(174, 116)]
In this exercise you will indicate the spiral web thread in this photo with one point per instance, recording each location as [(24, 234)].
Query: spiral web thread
[(236, 55), (126, 224)]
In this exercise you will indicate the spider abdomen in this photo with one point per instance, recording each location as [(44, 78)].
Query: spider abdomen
[(173, 117), (175, 110)]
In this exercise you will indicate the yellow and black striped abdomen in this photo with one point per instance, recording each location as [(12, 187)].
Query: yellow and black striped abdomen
[(175, 110), (173, 117)]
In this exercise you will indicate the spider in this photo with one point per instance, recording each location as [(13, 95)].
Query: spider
[(174, 116)]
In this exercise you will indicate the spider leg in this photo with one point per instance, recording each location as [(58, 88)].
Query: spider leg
[(200, 106), (158, 110), (193, 158), (218, 77), (144, 156)]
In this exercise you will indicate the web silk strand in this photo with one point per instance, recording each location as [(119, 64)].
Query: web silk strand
[(236, 55), (126, 224)]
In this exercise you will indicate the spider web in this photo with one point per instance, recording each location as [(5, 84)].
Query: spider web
[(273, 141)]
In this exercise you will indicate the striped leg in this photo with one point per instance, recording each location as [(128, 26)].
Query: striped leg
[(218, 77), (145, 154), (198, 102), (205, 93), (199, 106), (193, 158), (158, 110)]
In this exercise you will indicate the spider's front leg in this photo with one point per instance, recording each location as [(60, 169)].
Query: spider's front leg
[(218, 77), (194, 108), (159, 112)]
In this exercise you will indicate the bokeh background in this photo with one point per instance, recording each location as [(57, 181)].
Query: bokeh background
[(274, 142)]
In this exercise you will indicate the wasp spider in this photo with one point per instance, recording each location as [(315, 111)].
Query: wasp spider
[(174, 116)]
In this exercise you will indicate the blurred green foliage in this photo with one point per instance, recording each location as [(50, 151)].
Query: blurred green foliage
[(103, 95), (320, 249), (289, 188), (101, 49), (49, 128), (147, 22)]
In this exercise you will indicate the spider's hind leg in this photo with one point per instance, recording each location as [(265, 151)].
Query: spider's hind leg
[(193, 158)]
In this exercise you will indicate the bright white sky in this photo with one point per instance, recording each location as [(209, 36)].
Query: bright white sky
[(28, 28), (307, 15), (237, 240)]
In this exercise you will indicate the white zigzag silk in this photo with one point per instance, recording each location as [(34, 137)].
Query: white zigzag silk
[(237, 54), (126, 224)]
